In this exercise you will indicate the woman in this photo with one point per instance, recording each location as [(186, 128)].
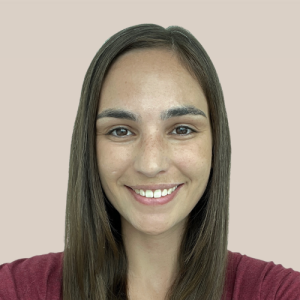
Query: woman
[(148, 192)]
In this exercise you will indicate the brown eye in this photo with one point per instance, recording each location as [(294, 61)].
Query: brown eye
[(183, 130), (119, 132)]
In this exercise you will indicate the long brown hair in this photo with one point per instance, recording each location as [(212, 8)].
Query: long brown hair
[(94, 261)]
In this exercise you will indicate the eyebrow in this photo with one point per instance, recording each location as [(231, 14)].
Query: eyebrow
[(166, 114)]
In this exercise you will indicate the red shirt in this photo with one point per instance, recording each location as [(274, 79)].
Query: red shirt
[(40, 277)]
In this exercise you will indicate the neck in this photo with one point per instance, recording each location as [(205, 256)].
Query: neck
[(152, 259)]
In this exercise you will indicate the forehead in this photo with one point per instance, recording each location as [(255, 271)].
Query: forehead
[(144, 76)]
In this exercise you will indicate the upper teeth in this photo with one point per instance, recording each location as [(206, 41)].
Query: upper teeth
[(157, 193)]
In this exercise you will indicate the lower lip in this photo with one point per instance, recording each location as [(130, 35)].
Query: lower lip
[(154, 201)]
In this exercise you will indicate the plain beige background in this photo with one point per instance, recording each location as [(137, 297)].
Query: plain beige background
[(46, 48)]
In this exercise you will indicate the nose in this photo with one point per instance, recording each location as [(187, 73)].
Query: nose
[(151, 155)]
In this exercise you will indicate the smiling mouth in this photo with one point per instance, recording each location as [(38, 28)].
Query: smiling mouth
[(155, 193), (155, 197)]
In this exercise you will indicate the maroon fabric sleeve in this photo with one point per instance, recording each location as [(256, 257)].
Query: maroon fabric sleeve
[(35, 278), (254, 279)]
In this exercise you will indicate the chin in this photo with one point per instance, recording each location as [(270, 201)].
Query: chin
[(153, 228), (153, 231)]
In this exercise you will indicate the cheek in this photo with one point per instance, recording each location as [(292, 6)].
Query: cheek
[(194, 160), (112, 160)]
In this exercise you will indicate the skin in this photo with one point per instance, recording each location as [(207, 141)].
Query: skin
[(152, 151)]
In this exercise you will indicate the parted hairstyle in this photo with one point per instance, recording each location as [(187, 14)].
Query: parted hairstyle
[(94, 259)]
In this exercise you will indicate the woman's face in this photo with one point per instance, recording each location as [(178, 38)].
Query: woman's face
[(158, 148)]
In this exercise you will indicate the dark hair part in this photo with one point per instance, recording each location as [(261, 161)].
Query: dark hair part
[(94, 261)]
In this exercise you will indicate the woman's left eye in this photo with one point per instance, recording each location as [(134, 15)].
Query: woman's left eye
[(185, 129)]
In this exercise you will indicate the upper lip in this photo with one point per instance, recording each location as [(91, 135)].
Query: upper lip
[(154, 186)]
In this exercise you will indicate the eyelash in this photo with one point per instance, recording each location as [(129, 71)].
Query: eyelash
[(186, 127)]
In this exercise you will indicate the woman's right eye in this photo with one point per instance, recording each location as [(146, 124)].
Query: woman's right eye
[(119, 132)]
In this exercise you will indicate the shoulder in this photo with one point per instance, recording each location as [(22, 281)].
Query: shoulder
[(259, 279), (32, 278)]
